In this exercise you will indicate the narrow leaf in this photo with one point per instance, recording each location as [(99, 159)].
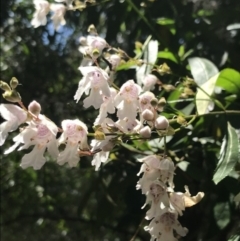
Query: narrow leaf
[(228, 157)]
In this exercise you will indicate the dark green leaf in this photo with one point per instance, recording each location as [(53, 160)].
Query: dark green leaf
[(167, 55), (228, 157)]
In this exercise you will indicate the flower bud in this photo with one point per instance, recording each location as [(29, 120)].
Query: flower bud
[(148, 115), (154, 102), (13, 82), (161, 104), (34, 107), (161, 123), (4, 86), (99, 135), (145, 132), (92, 29), (12, 96)]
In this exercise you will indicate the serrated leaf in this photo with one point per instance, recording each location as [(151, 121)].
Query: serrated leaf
[(229, 80), (203, 99), (228, 157), (202, 69)]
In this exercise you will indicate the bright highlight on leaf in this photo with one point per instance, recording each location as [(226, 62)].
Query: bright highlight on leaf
[(229, 155)]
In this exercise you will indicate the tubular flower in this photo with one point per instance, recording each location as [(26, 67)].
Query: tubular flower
[(149, 82), (39, 17), (93, 47), (14, 117), (41, 134), (95, 79), (161, 227), (126, 101), (74, 136)]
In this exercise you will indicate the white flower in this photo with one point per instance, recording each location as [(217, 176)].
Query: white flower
[(74, 136), (39, 17), (114, 60), (58, 15), (161, 227), (149, 82), (14, 117), (128, 126), (151, 170), (93, 46), (106, 107), (41, 134), (126, 101), (167, 171), (102, 146), (95, 79), (158, 197)]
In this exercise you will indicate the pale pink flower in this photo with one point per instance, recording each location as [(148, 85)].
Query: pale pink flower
[(158, 197), (151, 171), (14, 117), (39, 17), (102, 146), (96, 79), (42, 134), (146, 109), (74, 136), (149, 82), (126, 101), (127, 125), (167, 168), (58, 15), (106, 107), (114, 60), (161, 227), (93, 46)]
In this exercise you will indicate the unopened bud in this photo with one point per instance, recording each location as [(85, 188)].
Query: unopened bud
[(13, 82), (164, 69), (95, 52), (154, 102), (161, 104), (99, 135), (34, 107), (188, 91), (148, 115), (138, 45), (145, 132), (168, 88), (161, 123), (12, 96), (92, 29), (181, 120), (4, 86)]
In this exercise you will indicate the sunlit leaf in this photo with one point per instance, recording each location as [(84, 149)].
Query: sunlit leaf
[(202, 69), (229, 80), (167, 55), (228, 155), (203, 95)]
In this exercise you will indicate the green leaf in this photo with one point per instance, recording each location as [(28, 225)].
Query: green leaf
[(165, 21), (222, 214), (129, 64), (202, 69), (167, 55), (228, 157), (203, 96), (229, 80)]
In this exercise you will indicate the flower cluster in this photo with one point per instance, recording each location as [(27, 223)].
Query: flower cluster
[(123, 112), (157, 184)]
